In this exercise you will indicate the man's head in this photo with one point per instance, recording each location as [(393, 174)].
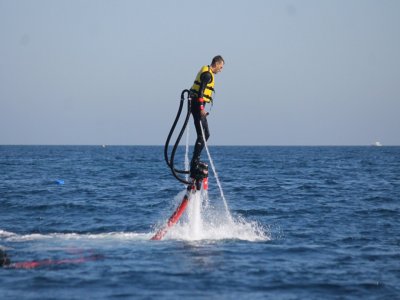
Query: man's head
[(217, 64), (4, 260)]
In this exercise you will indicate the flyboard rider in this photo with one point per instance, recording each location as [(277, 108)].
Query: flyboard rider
[(201, 93)]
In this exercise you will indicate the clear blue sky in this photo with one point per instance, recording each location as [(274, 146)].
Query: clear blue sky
[(111, 72)]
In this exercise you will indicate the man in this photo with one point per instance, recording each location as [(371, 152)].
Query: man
[(201, 93), (4, 260)]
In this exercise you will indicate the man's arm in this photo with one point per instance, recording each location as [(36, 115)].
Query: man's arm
[(205, 79)]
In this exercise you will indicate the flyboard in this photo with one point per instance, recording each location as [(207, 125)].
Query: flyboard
[(199, 175)]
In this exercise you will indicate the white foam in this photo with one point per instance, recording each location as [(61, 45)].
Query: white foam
[(203, 222), (238, 229), (108, 236), (5, 234)]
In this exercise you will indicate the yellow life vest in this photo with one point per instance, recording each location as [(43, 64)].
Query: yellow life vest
[(209, 89)]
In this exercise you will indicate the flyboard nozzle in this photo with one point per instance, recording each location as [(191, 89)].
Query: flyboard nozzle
[(198, 173)]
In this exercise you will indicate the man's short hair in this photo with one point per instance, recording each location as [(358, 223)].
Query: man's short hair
[(217, 59)]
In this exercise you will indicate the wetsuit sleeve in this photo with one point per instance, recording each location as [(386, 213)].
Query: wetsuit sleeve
[(205, 79)]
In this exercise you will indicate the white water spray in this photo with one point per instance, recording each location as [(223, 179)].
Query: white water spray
[(195, 216), (201, 221), (187, 163), (194, 210), (216, 175)]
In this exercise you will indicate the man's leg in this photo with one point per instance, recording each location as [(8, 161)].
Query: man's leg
[(199, 145)]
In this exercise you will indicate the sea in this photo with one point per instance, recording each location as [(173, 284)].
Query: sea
[(276, 222)]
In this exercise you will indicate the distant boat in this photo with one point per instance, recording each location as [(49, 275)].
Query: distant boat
[(377, 144)]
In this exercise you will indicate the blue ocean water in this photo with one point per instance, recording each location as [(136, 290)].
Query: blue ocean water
[(308, 223)]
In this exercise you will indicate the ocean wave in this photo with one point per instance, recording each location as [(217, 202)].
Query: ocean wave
[(13, 237)]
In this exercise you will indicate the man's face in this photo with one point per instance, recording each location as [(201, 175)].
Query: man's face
[(218, 67)]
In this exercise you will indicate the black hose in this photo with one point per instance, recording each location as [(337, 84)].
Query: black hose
[(167, 160), (170, 161)]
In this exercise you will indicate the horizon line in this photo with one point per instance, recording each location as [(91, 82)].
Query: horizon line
[(214, 145)]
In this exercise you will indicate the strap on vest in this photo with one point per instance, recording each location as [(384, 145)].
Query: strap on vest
[(195, 93)]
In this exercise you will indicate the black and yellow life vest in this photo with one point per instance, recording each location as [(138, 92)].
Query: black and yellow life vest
[(209, 89)]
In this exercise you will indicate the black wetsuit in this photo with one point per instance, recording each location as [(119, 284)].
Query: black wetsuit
[(205, 78)]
